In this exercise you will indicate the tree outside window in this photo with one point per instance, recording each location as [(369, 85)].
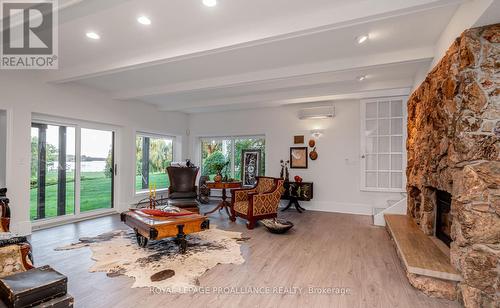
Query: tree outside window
[(153, 155), (229, 149)]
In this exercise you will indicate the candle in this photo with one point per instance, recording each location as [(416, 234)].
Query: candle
[(150, 192), (155, 191)]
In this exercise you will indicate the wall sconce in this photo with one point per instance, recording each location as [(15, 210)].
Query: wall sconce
[(317, 133)]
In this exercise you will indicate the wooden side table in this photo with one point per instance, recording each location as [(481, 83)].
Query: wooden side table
[(295, 192), (223, 185)]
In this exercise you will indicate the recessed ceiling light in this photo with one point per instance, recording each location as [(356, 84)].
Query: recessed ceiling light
[(210, 3), (144, 20), (361, 78), (362, 38), (93, 35)]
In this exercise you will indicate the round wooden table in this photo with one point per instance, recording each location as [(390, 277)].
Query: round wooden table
[(223, 185)]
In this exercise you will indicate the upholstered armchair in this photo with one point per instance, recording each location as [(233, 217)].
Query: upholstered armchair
[(259, 202)]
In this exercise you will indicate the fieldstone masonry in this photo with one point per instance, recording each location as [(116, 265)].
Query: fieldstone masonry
[(454, 145)]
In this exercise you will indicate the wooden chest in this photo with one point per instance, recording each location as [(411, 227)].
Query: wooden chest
[(32, 287)]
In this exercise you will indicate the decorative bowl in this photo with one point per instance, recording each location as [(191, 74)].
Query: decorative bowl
[(277, 226)]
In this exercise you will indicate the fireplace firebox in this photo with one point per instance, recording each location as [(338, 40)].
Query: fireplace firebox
[(443, 216)]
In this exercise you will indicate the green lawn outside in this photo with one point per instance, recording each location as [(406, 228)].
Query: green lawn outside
[(95, 192), (160, 179)]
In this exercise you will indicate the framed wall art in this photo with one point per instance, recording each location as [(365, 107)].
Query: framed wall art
[(250, 168), (298, 139), (298, 157)]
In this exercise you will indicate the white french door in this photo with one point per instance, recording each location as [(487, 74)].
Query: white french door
[(383, 139)]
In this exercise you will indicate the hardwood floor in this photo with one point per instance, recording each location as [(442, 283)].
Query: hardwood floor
[(324, 250)]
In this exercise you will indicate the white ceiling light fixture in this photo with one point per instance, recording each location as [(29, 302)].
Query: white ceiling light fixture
[(144, 20), (361, 78), (210, 3), (93, 35), (362, 38)]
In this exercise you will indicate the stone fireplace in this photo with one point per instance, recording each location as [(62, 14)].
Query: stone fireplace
[(454, 158), (444, 219)]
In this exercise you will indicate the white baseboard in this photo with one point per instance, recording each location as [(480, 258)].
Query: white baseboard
[(63, 220), (21, 228), (336, 207)]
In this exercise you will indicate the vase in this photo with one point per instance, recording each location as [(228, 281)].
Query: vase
[(218, 177)]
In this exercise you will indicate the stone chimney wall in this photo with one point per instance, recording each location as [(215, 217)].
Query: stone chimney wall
[(454, 145)]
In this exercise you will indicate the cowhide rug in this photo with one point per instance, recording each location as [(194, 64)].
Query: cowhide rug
[(160, 264)]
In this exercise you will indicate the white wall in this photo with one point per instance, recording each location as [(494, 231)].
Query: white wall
[(472, 13), (23, 94), (3, 136), (336, 173)]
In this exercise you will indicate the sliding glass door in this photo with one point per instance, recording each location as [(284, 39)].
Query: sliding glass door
[(52, 171), (72, 170), (96, 169)]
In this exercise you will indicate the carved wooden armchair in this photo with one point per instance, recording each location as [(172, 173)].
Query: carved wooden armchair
[(4, 211), (15, 252), (259, 202)]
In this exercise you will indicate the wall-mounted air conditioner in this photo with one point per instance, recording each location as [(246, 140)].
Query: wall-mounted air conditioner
[(323, 112)]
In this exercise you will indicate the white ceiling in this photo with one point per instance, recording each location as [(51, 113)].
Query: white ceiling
[(246, 54)]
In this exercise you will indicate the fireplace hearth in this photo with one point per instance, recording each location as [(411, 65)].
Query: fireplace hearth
[(443, 216)]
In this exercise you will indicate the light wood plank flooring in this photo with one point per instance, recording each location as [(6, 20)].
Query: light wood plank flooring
[(324, 250)]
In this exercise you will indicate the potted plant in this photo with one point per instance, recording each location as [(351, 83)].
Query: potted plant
[(214, 164)]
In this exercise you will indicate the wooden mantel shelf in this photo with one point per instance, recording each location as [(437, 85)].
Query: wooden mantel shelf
[(419, 253)]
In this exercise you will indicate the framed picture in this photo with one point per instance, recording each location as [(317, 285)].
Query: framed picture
[(298, 139), (298, 157), (250, 168)]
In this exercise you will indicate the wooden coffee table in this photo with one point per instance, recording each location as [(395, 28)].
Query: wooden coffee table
[(148, 227)]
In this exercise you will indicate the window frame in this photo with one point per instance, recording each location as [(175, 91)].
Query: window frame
[(233, 139), (363, 144), (157, 136)]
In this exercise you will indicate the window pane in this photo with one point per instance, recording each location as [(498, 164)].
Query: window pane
[(383, 179), (248, 144), (96, 175), (371, 127), (371, 110), (52, 171), (397, 144), (216, 155), (383, 110), (396, 162), (371, 162), (396, 109), (371, 145), (160, 157), (384, 127), (383, 144), (383, 162), (152, 163), (219, 151), (371, 179), (397, 126), (396, 179)]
